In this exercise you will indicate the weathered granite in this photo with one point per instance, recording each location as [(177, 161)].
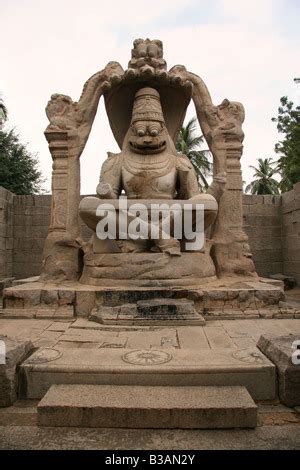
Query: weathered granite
[(16, 352), (108, 406), (279, 349)]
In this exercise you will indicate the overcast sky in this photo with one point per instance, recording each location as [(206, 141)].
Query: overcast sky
[(245, 50)]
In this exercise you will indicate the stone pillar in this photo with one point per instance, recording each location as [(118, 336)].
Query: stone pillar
[(231, 251), (222, 128), (67, 134), (61, 257)]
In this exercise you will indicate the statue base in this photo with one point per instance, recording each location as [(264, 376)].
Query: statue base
[(221, 299), (147, 269)]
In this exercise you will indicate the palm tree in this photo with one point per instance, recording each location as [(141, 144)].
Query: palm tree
[(3, 113), (263, 181), (188, 143)]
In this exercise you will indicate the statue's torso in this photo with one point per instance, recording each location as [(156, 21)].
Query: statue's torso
[(149, 177)]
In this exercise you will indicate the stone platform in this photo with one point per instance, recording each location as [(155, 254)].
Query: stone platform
[(149, 367), (83, 353), (226, 298)]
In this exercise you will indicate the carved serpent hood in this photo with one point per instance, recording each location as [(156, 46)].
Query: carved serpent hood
[(147, 68)]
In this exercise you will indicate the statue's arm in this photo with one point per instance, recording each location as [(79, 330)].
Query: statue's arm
[(187, 178), (110, 181)]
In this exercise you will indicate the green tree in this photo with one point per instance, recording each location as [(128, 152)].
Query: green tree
[(3, 113), (288, 149), (19, 171), (263, 181), (188, 143)]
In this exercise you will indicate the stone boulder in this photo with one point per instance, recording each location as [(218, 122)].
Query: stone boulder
[(12, 353), (281, 350)]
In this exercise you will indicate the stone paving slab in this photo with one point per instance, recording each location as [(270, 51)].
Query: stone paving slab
[(88, 335), (217, 339), (215, 334), (267, 437), (164, 337), (78, 344), (190, 337), (59, 326), (244, 342), (38, 313), (84, 323)]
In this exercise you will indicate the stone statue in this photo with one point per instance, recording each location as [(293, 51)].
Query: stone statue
[(149, 167), (146, 106)]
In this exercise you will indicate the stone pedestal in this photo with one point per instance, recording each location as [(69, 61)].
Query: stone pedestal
[(226, 298)]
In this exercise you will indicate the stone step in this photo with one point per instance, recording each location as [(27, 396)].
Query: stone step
[(145, 367), (109, 406), (119, 297), (60, 313), (160, 311), (20, 413), (27, 280)]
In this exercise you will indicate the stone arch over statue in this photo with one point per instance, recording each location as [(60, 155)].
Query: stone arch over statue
[(69, 129)]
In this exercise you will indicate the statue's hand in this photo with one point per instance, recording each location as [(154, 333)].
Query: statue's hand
[(104, 191)]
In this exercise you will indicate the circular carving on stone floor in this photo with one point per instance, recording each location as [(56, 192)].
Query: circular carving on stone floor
[(249, 356), (44, 355), (147, 357)]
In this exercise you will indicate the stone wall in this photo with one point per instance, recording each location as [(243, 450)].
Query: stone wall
[(291, 232), (31, 218), (271, 222), (263, 225), (6, 233)]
